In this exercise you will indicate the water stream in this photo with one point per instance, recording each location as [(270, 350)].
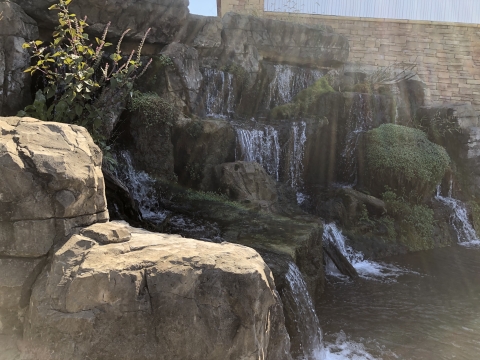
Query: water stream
[(360, 120), (367, 269), (288, 81), (459, 219), (220, 95), (306, 333)]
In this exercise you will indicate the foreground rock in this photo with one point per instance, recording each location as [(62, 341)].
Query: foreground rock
[(51, 184), (164, 17), (15, 28), (154, 296)]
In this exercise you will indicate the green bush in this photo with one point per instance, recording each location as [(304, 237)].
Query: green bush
[(153, 108), (414, 221), (404, 159), (78, 77)]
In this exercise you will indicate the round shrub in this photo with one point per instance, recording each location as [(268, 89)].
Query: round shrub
[(404, 159)]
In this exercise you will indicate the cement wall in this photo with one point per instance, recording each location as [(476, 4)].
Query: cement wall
[(447, 54)]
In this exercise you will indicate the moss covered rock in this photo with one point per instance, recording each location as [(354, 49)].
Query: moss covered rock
[(403, 159)]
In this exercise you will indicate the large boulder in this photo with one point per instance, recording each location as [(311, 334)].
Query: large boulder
[(132, 300), (247, 182), (16, 28), (164, 17), (51, 184)]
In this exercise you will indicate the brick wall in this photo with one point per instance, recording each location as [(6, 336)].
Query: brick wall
[(447, 54)]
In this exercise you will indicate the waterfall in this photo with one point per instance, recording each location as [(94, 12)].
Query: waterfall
[(360, 120), (261, 146), (141, 186), (306, 335), (288, 81), (366, 268), (459, 219), (298, 138), (220, 96)]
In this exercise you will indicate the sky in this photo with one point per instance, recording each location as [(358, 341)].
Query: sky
[(203, 7)]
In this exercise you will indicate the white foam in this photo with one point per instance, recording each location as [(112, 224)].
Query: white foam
[(345, 349), (366, 269)]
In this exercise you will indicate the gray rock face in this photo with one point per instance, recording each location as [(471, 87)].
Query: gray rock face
[(185, 79), (155, 296), (246, 40), (15, 29), (50, 184), (164, 17), (247, 182)]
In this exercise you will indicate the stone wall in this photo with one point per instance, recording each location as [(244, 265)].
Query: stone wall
[(445, 53)]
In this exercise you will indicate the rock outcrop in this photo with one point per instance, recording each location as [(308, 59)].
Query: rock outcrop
[(15, 28), (247, 182), (51, 184), (246, 40), (132, 300), (164, 17)]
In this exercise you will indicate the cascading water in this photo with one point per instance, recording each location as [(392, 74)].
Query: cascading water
[(306, 335), (459, 219), (261, 146), (142, 188), (220, 96), (288, 81), (360, 120), (298, 138), (365, 268)]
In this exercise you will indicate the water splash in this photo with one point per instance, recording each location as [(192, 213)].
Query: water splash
[(360, 120), (307, 335), (466, 234), (366, 268), (345, 349), (220, 95), (261, 146), (288, 81)]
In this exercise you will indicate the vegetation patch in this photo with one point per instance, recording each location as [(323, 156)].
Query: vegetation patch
[(404, 159), (304, 104), (154, 108)]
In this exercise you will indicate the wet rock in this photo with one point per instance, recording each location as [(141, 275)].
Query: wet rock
[(247, 182), (164, 17), (132, 300), (199, 146), (15, 29)]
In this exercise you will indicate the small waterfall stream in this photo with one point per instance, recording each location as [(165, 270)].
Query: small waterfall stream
[(366, 268), (466, 234), (261, 146), (298, 138), (360, 120), (220, 95), (288, 81), (306, 335)]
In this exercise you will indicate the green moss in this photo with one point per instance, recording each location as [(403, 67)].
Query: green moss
[(213, 197), (154, 108), (404, 159), (475, 210), (303, 104), (414, 222)]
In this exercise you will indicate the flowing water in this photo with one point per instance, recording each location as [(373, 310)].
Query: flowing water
[(360, 120), (459, 219), (431, 312), (261, 146), (297, 302), (288, 81), (366, 269), (220, 95)]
